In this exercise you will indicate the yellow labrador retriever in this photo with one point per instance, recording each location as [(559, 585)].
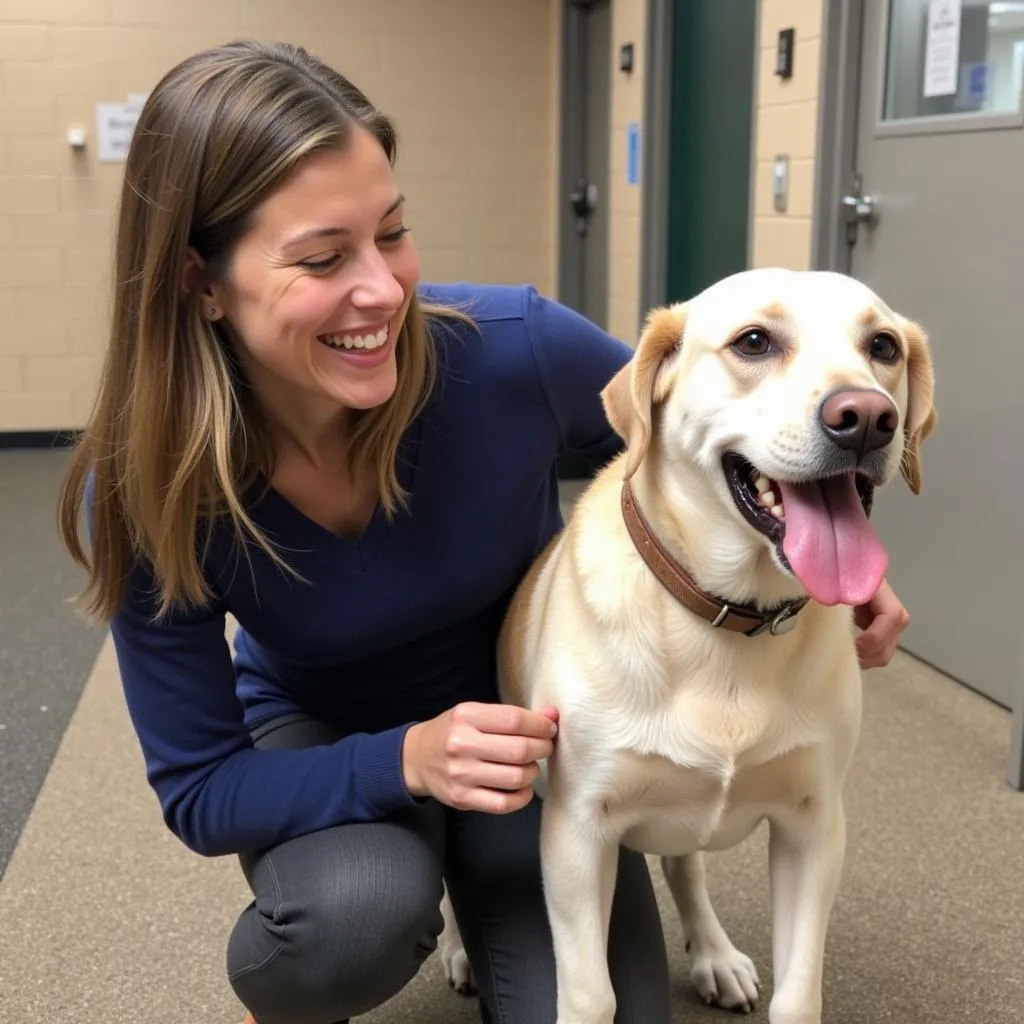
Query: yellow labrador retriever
[(692, 623)]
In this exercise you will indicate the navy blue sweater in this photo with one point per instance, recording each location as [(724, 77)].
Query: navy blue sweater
[(389, 629)]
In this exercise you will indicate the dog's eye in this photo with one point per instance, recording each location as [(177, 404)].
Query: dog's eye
[(753, 343), (884, 348)]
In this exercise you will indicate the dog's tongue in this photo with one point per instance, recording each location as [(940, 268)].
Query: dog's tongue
[(830, 544)]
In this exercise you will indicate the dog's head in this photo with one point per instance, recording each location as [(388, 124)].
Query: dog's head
[(795, 395)]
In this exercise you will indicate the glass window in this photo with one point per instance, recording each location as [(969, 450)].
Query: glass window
[(953, 57)]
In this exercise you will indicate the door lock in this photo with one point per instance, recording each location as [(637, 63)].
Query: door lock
[(583, 200), (856, 209)]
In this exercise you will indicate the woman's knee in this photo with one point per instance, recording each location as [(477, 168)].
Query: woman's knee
[(336, 955), (343, 941)]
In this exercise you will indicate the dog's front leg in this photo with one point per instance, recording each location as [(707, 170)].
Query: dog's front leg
[(579, 863), (720, 973), (806, 855)]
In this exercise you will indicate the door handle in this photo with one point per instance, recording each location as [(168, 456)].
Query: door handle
[(858, 210)]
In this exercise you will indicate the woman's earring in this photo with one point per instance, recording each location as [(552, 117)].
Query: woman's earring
[(213, 313)]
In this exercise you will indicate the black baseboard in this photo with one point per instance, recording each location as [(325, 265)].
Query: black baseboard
[(37, 438)]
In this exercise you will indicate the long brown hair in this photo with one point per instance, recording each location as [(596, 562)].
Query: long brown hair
[(174, 440)]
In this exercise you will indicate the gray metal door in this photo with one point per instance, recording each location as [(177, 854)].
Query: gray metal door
[(586, 140), (936, 222)]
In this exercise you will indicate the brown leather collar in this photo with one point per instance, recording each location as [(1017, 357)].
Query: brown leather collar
[(737, 618)]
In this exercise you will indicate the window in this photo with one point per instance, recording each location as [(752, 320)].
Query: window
[(954, 59)]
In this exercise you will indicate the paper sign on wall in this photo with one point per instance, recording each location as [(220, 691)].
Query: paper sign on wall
[(115, 124), (942, 48)]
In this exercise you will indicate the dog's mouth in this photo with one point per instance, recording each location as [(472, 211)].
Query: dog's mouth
[(818, 527)]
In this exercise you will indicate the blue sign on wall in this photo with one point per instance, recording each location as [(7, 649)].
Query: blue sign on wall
[(633, 153), (977, 82)]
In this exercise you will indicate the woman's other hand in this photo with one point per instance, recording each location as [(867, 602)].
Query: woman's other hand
[(883, 620)]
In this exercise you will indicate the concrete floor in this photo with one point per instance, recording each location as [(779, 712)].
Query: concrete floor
[(106, 919), (46, 650)]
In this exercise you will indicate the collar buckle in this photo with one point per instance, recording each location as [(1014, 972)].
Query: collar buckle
[(781, 622)]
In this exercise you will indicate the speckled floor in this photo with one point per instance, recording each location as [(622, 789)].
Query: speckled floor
[(46, 651), (106, 919)]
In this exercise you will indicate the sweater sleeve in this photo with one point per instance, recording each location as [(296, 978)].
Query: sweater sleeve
[(218, 793), (575, 360)]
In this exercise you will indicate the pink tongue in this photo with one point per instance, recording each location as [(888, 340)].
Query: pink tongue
[(830, 544)]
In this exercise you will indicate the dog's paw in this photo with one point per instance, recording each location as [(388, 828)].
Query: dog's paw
[(459, 973), (725, 977)]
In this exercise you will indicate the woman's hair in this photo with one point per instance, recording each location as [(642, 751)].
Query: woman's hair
[(175, 438)]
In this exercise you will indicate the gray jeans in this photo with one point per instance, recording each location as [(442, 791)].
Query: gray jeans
[(343, 918)]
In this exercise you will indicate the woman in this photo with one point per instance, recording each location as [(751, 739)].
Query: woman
[(359, 470)]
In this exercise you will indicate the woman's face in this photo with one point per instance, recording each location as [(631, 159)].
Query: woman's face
[(319, 287)]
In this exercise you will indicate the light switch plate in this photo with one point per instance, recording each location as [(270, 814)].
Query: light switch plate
[(780, 182)]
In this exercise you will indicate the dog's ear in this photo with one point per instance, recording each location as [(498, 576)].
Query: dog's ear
[(631, 395), (921, 414)]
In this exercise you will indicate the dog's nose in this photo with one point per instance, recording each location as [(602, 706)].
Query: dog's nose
[(859, 420)]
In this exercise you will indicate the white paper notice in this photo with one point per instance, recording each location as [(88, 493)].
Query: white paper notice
[(115, 123), (942, 48)]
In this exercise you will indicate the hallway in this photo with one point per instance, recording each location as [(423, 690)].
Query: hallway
[(106, 919)]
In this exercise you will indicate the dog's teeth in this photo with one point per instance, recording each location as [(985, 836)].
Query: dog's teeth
[(762, 484), (768, 499), (777, 511)]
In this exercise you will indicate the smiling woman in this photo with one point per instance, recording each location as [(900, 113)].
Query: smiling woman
[(286, 430), (244, 159)]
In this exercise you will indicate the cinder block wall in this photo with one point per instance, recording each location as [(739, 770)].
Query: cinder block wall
[(786, 122), (471, 84), (787, 112)]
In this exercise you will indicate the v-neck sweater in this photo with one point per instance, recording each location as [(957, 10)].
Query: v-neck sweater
[(379, 632)]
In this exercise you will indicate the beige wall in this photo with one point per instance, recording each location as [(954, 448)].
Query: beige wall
[(786, 122), (471, 84), (629, 24), (787, 112)]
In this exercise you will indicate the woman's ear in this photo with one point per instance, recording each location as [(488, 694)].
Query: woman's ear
[(192, 273), (191, 283)]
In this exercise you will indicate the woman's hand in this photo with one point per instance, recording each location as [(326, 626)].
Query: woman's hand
[(883, 620), (479, 757)]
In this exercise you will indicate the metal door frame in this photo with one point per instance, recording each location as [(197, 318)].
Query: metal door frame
[(572, 107), (839, 114), (839, 94), (656, 142), (655, 146)]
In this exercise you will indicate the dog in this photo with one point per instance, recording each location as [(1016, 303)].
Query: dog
[(693, 622)]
